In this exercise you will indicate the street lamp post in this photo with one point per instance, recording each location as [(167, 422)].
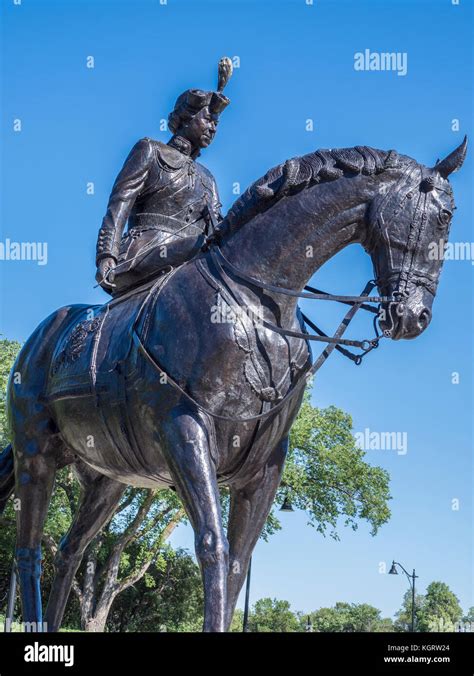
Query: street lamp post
[(286, 507), (245, 627), (411, 580)]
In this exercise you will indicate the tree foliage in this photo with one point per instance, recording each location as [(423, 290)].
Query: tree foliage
[(349, 617), (272, 615), (440, 610), (436, 610), (326, 474), (469, 616), (8, 352), (169, 597)]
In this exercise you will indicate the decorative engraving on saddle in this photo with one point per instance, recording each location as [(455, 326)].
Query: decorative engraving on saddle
[(75, 343), (244, 334)]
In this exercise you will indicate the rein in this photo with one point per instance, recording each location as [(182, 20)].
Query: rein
[(221, 262), (315, 294)]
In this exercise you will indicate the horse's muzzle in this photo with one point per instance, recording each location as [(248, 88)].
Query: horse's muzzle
[(409, 317)]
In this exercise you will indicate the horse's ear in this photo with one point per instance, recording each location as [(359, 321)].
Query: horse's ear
[(452, 162)]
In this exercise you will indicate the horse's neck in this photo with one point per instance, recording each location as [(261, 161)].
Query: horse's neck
[(287, 244)]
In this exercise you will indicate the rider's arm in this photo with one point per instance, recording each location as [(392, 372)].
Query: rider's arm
[(128, 185)]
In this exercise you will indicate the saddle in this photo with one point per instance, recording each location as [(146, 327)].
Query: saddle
[(95, 341)]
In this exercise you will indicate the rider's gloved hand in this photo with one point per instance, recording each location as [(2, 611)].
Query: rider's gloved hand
[(106, 273)]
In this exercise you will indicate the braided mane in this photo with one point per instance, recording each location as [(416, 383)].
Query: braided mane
[(303, 172)]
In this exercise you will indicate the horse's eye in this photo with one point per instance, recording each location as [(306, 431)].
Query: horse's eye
[(444, 217)]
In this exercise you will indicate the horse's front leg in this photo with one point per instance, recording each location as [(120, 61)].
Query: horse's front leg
[(186, 448), (249, 509)]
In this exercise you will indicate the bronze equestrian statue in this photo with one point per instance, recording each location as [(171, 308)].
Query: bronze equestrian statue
[(157, 389)]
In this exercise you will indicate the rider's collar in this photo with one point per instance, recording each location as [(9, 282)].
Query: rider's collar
[(182, 144)]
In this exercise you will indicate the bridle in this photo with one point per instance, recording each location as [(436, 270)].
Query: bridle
[(407, 275)]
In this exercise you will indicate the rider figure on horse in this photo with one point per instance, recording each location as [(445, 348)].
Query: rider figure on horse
[(170, 201)]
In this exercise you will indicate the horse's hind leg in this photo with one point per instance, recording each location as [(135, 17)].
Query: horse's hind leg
[(187, 453), (37, 451), (99, 500)]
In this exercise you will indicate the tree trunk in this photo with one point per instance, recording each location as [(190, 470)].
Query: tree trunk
[(98, 621), (96, 618), (95, 606)]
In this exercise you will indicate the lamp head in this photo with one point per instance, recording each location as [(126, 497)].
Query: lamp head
[(287, 506)]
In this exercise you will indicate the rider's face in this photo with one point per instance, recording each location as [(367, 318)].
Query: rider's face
[(201, 129)]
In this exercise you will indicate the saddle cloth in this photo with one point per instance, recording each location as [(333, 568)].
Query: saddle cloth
[(95, 340)]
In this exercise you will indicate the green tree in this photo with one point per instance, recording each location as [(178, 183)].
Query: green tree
[(468, 620), (123, 552), (437, 610), (326, 474), (440, 610), (169, 597), (365, 617), (237, 623), (469, 616), (330, 619), (273, 615), (385, 624), (8, 352), (403, 616), (349, 617)]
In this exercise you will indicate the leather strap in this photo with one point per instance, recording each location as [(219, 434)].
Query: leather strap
[(219, 258), (363, 345)]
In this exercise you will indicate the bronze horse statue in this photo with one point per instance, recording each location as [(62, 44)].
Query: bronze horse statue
[(158, 388)]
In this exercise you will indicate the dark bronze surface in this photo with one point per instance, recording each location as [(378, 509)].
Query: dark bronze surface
[(164, 194), (155, 388)]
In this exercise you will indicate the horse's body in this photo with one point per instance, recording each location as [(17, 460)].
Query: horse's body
[(179, 405), (127, 445)]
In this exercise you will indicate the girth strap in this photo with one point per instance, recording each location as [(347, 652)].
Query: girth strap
[(169, 381)]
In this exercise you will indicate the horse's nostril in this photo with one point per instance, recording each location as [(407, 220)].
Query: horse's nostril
[(400, 309), (424, 318)]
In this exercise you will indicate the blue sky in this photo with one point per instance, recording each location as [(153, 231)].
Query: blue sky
[(296, 62)]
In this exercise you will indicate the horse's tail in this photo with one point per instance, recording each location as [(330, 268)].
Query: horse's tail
[(7, 476)]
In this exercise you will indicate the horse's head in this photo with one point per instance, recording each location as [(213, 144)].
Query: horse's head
[(411, 213)]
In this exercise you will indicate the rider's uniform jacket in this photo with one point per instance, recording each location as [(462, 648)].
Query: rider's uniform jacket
[(160, 187)]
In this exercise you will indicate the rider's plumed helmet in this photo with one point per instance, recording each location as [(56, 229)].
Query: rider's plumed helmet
[(190, 102)]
